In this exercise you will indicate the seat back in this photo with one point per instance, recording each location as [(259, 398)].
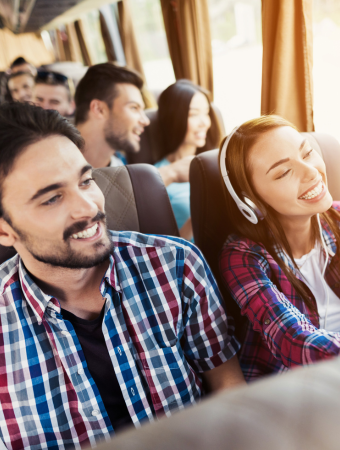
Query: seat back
[(135, 200), (152, 139), (211, 224)]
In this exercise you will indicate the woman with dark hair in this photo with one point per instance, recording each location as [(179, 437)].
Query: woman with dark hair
[(186, 122), (282, 265)]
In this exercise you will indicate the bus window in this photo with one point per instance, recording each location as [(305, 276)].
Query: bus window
[(326, 66), (237, 58), (152, 43)]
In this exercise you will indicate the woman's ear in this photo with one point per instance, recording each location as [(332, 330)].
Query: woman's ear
[(7, 235)]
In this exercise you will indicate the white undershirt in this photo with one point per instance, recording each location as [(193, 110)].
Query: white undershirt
[(311, 266)]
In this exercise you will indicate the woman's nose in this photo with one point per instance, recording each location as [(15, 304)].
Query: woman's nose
[(309, 172)]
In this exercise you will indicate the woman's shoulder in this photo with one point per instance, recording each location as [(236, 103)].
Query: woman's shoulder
[(163, 162), (236, 241), (238, 250)]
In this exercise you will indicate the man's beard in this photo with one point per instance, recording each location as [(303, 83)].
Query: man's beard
[(116, 140), (69, 258)]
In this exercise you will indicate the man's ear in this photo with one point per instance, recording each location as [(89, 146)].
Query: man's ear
[(7, 235), (99, 109)]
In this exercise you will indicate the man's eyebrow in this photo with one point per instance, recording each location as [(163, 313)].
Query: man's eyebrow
[(54, 186), (45, 190), (85, 169)]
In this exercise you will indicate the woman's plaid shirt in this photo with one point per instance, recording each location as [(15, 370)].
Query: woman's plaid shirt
[(282, 331), (165, 328)]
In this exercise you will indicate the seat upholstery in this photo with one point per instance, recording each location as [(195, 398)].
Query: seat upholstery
[(151, 139), (210, 222), (135, 200)]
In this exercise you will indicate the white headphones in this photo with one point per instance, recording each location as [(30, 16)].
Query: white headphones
[(247, 207)]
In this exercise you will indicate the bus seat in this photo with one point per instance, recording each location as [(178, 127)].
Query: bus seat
[(135, 200), (151, 139), (210, 221)]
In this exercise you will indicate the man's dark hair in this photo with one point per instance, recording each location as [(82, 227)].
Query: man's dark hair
[(18, 62), (18, 74), (99, 83), (23, 124)]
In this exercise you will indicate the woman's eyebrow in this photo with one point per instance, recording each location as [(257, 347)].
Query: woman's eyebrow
[(303, 143), (277, 164)]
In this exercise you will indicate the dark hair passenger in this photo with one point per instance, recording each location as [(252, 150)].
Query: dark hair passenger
[(185, 118), (282, 263), (77, 333)]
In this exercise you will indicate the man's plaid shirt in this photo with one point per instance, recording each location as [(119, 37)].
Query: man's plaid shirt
[(165, 328), (282, 331)]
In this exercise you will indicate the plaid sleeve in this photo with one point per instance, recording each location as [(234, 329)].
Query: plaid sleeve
[(208, 332), (289, 334)]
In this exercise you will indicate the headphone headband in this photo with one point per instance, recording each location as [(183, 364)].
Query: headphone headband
[(249, 211)]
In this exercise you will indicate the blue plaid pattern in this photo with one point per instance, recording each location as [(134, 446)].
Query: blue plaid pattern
[(164, 324)]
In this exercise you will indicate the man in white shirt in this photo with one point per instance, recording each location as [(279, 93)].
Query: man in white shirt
[(110, 116)]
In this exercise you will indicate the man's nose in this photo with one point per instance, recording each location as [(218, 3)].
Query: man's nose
[(83, 207), (145, 121)]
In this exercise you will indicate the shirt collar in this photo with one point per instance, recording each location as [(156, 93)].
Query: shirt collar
[(39, 301), (35, 297), (111, 275)]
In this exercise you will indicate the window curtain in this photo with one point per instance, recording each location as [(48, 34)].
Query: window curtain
[(28, 45), (109, 49), (128, 38), (74, 46), (129, 42), (79, 27), (187, 27), (287, 84)]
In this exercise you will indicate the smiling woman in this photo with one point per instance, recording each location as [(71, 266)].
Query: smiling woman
[(282, 266)]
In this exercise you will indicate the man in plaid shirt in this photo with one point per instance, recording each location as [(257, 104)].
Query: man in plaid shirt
[(98, 329)]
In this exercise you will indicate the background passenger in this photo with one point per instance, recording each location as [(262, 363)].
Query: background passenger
[(274, 268), (52, 91), (110, 116), (21, 65), (20, 86), (184, 117)]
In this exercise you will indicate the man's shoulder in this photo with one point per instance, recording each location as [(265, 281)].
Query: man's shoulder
[(136, 239)]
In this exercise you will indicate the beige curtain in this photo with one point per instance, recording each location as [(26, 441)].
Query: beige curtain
[(28, 45), (187, 28), (74, 46), (79, 28), (128, 37), (287, 84)]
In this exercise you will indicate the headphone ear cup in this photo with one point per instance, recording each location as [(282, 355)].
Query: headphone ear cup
[(252, 205)]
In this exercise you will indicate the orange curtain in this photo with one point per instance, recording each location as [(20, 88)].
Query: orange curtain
[(79, 28), (287, 84), (128, 37), (74, 46), (109, 49), (187, 28), (28, 45)]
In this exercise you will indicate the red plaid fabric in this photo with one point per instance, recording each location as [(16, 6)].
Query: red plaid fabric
[(282, 331)]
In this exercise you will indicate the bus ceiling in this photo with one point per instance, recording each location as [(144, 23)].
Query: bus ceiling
[(23, 16)]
